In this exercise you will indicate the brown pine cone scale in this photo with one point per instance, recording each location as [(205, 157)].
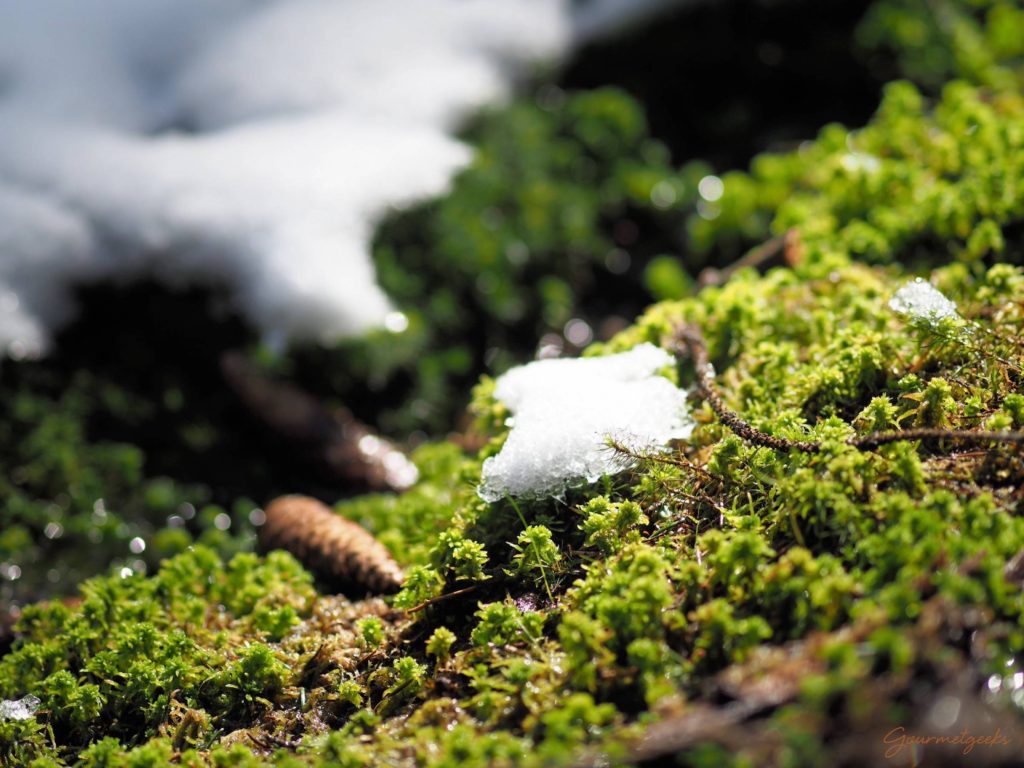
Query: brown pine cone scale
[(340, 552)]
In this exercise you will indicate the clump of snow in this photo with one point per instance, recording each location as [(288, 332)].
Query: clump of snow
[(921, 301), (564, 411), (19, 709), (251, 142)]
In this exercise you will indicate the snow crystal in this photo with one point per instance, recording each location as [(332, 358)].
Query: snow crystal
[(251, 143), (18, 709), (564, 411), (922, 301)]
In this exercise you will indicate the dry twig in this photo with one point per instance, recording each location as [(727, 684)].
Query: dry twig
[(784, 249), (689, 339), (330, 437)]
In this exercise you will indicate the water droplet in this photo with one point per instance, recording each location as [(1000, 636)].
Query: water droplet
[(707, 211), (368, 445), (550, 346), (617, 261), (401, 472), (663, 195), (517, 253), (578, 332), (945, 712), (711, 188), (860, 162), (396, 322)]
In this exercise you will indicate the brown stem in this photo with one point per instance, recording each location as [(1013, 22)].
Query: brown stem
[(442, 598), (331, 437), (783, 249), (663, 458), (689, 338)]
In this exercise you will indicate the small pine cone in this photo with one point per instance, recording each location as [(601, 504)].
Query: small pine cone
[(339, 551)]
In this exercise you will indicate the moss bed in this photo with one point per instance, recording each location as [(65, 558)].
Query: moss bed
[(724, 603)]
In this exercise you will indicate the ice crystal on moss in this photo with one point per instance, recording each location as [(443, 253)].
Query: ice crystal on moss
[(565, 411), (922, 301), (18, 709)]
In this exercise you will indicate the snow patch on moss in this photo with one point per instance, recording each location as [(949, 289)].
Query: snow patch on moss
[(565, 411), (18, 709), (921, 301)]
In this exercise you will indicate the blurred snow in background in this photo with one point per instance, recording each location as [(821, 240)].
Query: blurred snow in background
[(250, 141)]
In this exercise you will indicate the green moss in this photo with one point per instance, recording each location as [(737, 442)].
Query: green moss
[(917, 184), (410, 524), (582, 617), (135, 649), (826, 594), (978, 40), (440, 643)]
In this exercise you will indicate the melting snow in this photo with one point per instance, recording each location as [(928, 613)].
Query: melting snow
[(921, 301), (19, 709), (250, 142), (564, 412)]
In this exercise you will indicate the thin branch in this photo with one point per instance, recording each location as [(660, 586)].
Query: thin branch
[(692, 340), (330, 437), (662, 458), (688, 338), (783, 249), (442, 598)]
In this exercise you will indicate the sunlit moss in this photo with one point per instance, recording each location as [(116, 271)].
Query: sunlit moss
[(534, 632)]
